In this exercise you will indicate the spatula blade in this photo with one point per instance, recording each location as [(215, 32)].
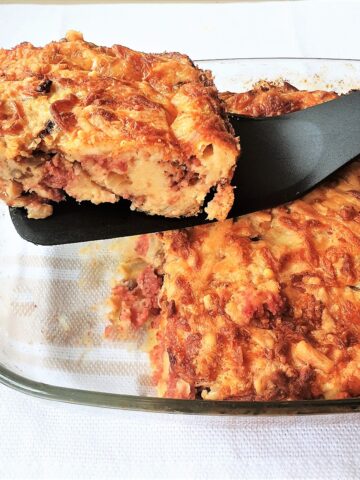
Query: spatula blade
[(282, 158)]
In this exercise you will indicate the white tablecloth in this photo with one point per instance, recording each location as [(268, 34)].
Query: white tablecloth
[(40, 439)]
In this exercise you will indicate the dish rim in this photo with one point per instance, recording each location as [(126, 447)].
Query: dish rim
[(171, 405), (331, 59)]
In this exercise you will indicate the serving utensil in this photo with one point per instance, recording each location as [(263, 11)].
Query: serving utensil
[(282, 159)]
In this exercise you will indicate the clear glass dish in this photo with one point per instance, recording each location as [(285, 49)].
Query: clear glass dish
[(52, 299)]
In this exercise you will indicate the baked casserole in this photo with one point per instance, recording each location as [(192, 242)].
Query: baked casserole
[(262, 307)]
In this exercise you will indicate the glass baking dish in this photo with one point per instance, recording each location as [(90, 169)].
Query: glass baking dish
[(53, 299)]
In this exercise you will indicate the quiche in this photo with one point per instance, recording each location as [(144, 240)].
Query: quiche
[(262, 307), (268, 99), (100, 124)]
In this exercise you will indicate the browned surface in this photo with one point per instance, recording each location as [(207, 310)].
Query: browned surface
[(124, 124), (266, 307), (268, 100)]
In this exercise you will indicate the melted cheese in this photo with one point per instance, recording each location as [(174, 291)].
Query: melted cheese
[(265, 307), (121, 124), (269, 100)]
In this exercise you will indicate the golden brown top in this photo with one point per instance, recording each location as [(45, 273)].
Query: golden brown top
[(264, 307), (122, 124), (269, 100), (162, 71), (268, 306)]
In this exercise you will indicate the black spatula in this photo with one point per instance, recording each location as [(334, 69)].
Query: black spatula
[(282, 158)]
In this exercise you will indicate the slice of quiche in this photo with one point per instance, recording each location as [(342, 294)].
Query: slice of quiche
[(101, 124)]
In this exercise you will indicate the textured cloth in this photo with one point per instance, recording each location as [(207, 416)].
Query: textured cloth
[(44, 440), (53, 307)]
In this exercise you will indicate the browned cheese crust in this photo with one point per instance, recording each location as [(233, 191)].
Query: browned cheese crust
[(270, 100), (101, 124), (265, 307)]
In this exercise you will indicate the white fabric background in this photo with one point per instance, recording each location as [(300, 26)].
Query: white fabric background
[(40, 439)]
